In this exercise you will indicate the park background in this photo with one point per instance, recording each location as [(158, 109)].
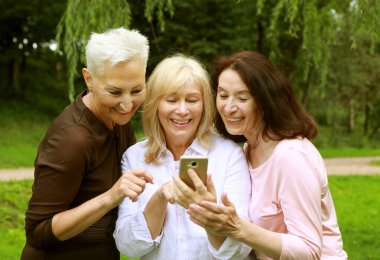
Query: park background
[(329, 49)]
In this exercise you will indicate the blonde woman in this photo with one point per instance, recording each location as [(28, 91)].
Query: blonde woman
[(178, 116)]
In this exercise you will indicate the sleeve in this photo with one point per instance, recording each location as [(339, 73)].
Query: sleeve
[(61, 161), (237, 185), (132, 235), (300, 201)]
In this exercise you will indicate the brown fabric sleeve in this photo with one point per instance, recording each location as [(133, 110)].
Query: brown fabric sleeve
[(62, 159)]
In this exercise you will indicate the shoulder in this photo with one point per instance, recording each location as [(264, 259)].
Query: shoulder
[(297, 147), (299, 156), (73, 137), (137, 149), (223, 143), (225, 148)]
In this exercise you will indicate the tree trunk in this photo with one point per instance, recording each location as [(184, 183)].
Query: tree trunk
[(260, 37), (14, 75)]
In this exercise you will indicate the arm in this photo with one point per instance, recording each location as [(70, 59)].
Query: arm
[(300, 201), (60, 165), (139, 224), (70, 223), (155, 210)]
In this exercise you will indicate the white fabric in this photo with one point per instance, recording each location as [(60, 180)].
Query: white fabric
[(180, 237)]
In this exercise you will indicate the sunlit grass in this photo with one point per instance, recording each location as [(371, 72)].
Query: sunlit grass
[(348, 152)]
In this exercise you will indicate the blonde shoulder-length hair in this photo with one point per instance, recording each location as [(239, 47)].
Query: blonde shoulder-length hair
[(168, 77)]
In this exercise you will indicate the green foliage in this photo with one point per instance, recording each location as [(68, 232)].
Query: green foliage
[(81, 18)]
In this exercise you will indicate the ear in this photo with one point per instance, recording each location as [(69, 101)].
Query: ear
[(87, 78)]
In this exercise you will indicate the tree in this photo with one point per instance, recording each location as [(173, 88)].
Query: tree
[(25, 26), (83, 17)]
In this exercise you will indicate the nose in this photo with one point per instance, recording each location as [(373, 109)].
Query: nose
[(126, 104), (230, 106), (182, 107)]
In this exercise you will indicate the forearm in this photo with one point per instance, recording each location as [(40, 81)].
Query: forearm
[(260, 239), (154, 214), (70, 223)]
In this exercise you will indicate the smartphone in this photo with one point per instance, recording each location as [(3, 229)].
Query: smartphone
[(198, 164)]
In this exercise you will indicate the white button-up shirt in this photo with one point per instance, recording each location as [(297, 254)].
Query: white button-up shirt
[(180, 237)]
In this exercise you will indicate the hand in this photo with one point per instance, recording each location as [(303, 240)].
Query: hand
[(166, 192), (216, 219), (184, 195), (131, 184)]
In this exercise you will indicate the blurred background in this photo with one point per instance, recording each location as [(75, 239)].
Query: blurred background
[(329, 49)]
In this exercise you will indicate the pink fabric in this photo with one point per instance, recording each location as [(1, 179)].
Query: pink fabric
[(290, 195)]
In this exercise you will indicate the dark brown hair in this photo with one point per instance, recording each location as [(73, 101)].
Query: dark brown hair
[(282, 117)]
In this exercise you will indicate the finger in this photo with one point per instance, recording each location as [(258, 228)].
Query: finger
[(213, 207), (226, 201), (130, 186), (198, 184), (141, 173), (200, 216), (129, 178), (181, 186), (210, 185), (132, 195)]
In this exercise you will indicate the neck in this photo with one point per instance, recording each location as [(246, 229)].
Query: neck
[(260, 151), (89, 103), (177, 149)]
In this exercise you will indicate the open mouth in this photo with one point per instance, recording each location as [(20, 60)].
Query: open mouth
[(234, 119), (181, 122), (120, 111)]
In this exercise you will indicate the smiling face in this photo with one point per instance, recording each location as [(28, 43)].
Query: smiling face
[(235, 104), (179, 114), (116, 94)]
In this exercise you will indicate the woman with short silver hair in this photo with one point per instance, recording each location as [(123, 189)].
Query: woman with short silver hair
[(77, 185)]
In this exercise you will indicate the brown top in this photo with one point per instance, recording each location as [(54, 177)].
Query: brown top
[(78, 159)]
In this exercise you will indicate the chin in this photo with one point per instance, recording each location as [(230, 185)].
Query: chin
[(234, 131)]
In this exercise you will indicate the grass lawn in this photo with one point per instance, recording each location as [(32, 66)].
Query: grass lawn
[(356, 201)]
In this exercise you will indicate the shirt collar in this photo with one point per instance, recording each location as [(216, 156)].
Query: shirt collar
[(195, 148)]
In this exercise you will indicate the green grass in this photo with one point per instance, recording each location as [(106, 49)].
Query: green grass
[(14, 197), (349, 152), (21, 130), (376, 163), (356, 201)]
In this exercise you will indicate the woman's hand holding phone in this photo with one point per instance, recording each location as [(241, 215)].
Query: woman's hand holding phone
[(184, 195)]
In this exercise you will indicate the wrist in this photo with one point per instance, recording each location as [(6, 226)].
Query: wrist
[(239, 232)]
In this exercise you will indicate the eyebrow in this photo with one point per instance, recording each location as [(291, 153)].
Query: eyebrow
[(115, 87), (245, 91)]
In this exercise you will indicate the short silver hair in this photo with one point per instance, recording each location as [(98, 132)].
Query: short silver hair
[(115, 46)]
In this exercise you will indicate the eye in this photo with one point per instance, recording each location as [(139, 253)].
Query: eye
[(193, 100), (171, 100), (115, 92), (136, 91), (223, 96)]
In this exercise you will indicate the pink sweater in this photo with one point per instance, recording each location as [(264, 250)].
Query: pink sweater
[(290, 195)]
